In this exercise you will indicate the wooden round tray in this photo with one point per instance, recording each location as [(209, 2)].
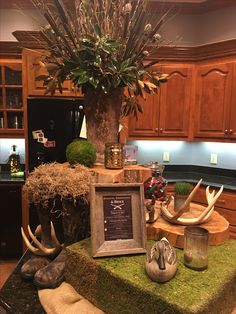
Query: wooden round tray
[(217, 226)]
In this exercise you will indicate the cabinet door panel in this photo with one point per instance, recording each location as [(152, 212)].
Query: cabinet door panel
[(228, 214), (213, 100), (175, 99), (10, 222), (34, 69), (11, 98), (232, 122), (146, 124)]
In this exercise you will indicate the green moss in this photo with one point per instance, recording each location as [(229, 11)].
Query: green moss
[(82, 152), (120, 284)]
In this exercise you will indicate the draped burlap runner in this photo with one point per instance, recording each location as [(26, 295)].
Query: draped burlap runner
[(65, 300)]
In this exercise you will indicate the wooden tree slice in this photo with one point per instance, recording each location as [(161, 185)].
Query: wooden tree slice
[(128, 174), (218, 228)]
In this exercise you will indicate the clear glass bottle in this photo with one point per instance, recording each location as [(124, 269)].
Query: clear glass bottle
[(196, 247), (14, 160)]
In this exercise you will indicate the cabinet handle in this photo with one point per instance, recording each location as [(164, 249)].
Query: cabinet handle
[(230, 131), (156, 129), (161, 130), (226, 131)]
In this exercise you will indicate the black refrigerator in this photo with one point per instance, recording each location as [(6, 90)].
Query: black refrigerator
[(52, 124)]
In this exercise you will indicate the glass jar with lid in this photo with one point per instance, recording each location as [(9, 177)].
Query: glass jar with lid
[(154, 191)]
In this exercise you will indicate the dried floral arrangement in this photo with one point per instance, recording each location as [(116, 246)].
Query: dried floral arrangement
[(52, 180), (102, 45)]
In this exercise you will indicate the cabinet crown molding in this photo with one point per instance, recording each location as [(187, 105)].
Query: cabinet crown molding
[(35, 40)]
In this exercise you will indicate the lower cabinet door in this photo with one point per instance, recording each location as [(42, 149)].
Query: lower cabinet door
[(10, 221)]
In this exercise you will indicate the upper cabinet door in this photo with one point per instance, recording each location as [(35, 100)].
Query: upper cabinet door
[(33, 69), (232, 119), (11, 98), (213, 100), (175, 100), (146, 124)]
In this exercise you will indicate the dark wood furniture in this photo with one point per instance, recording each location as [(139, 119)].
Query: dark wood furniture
[(11, 220)]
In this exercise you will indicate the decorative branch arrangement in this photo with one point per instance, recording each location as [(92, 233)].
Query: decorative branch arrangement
[(102, 45)]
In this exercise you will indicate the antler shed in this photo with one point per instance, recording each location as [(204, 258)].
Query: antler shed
[(202, 218), (40, 249)]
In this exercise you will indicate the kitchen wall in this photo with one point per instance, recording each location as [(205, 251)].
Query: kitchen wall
[(200, 29), (194, 29), (187, 153), (17, 19), (181, 153)]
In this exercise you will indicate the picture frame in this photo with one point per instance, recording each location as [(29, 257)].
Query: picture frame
[(117, 216)]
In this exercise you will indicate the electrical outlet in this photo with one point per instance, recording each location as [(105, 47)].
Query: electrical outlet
[(166, 156), (213, 159)]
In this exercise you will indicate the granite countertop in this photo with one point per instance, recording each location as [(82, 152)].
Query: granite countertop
[(19, 296), (193, 177), (5, 177), (214, 177)]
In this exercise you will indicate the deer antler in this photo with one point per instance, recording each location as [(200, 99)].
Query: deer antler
[(186, 203), (40, 249), (203, 217)]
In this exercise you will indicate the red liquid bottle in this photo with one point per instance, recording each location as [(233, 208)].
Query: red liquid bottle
[(155, 186)]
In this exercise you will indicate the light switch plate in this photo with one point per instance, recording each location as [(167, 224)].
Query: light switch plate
[(166, 156), (213, 159)]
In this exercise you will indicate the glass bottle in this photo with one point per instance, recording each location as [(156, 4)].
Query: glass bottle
[(196, 247), (14, 160), (156, 184), (154, 190)]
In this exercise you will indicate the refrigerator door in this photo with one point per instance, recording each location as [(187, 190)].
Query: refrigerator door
[(52, 124)]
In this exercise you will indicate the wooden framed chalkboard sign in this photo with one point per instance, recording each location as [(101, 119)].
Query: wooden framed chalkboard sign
[(117, 219)]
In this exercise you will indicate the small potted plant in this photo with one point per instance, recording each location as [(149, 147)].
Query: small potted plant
[(182, 191)]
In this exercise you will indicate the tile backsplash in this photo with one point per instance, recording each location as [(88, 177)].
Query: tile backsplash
[(5, 148)]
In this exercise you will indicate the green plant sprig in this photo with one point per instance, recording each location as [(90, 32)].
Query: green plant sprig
[(182, 188)]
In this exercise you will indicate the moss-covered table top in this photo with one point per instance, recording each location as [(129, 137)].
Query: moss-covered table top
[(120, 284)]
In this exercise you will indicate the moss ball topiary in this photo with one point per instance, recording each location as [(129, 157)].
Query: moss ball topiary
[(82, 152)]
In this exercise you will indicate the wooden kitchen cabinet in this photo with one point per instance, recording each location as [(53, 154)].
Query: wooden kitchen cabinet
[(11, 98), (10, 222), (225, 205), (167, 114), (215, 110), (33, 69)]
